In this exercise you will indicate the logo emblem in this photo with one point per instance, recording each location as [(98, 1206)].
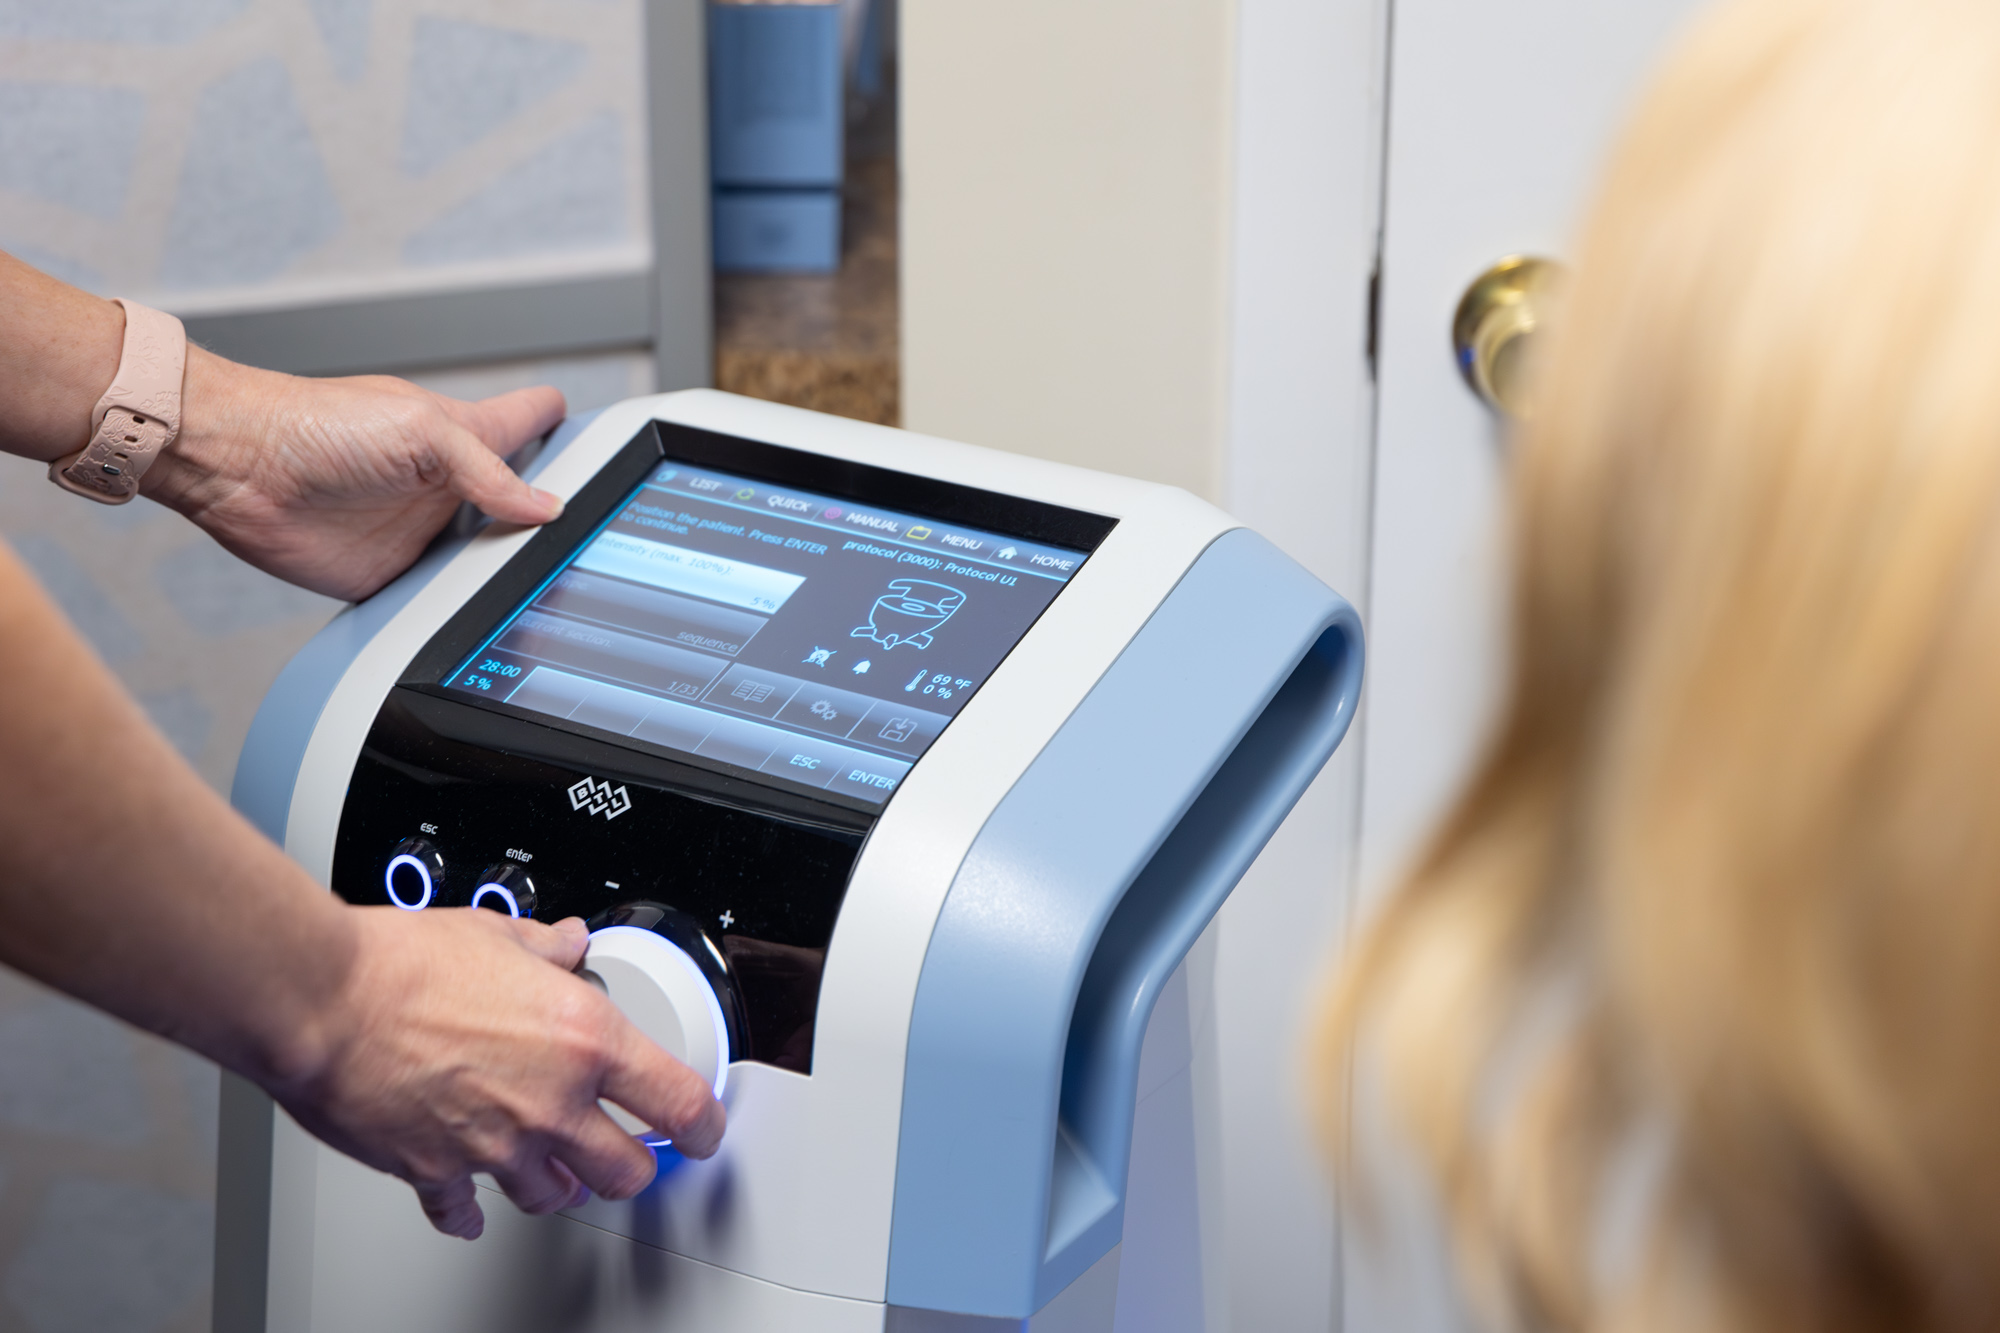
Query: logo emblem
[(596, 797)]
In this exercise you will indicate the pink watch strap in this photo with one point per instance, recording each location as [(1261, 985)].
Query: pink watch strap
[(138, 416)]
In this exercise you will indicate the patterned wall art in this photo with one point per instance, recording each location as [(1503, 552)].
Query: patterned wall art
[(223, 154), (216, 154)]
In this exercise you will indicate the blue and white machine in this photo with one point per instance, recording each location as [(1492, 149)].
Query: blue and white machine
[(896, 779)]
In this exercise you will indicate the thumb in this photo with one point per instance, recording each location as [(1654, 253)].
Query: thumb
[(562, 944), (507, 422), (475, 473)]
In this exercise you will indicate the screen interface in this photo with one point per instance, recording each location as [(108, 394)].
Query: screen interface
[(815, 641)]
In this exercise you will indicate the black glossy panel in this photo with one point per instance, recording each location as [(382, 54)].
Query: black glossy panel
[(765, 883)]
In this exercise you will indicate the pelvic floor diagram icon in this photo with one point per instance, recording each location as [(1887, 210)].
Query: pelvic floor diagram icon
[(909, 613)]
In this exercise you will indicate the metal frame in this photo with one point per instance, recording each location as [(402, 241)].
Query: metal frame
[(677, 105), (668, 307)]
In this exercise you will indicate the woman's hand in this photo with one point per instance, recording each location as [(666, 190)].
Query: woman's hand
[(337, 485), (431, 1044), (461, 1042)]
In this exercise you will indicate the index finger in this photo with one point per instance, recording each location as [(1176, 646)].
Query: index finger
[(562, 943), (452, 1206), (671, 1098)]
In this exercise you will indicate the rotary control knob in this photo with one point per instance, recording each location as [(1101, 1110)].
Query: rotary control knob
[(670, 980), (505, 887), (414, 872)]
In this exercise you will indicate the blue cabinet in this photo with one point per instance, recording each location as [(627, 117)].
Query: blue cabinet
[(777, 231), (776, 105)]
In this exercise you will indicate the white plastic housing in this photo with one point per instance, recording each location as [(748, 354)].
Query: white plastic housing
[(808, 1166)]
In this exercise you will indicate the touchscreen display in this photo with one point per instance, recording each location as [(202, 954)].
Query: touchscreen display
[(813, 640)]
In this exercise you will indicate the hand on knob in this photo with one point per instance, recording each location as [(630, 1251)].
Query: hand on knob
[(464, 1043)]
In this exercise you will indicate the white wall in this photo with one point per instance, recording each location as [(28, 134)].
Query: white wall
[(1065, 215), (1138, 236), (1297, 463)]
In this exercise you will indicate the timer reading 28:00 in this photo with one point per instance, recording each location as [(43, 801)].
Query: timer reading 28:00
[(479, 682)]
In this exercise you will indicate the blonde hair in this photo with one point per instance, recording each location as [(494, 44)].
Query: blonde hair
[(1723, 895)]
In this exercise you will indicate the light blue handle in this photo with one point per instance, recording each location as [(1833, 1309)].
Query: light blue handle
[(1178, 894), (1081, 895)]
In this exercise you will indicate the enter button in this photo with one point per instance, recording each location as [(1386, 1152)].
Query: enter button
[(871, 777)]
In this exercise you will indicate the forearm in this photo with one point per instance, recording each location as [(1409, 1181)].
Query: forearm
[(59, 348), (335, 485), (128, 883)]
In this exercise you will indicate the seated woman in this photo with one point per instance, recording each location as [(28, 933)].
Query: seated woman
[(1692, 1004)]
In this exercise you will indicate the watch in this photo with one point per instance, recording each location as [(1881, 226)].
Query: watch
[(138, 416)]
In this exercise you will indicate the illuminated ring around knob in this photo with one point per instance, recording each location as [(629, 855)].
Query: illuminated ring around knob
[(423, 872), (667, 997), (501, 891)]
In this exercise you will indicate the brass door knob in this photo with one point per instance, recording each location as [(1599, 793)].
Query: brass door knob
[(1495, 328)]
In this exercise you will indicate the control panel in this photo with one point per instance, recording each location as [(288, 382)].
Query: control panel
[(454, 806), (692, 695)]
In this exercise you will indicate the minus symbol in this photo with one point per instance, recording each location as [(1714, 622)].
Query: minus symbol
[(610, 883)]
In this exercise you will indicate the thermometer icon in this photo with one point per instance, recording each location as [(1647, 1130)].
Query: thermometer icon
[(915, 681)]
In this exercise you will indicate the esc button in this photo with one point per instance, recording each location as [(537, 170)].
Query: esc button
[(415, 870)]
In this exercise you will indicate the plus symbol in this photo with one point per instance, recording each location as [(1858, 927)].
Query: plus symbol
[(728, 920)]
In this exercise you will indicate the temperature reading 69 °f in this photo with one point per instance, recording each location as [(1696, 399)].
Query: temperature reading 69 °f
[(944, 685)]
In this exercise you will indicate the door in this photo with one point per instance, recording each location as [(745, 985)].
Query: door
[(1499, 114)]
